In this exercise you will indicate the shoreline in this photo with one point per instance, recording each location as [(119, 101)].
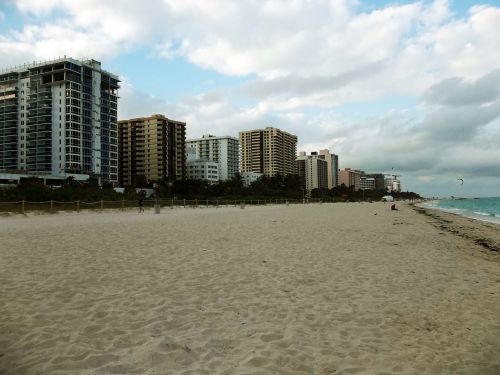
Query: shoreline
[(481, 232), (483, 217)]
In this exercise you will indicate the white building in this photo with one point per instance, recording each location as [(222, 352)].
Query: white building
[(332, 161), (222, 150), (392, 184), (202, 170), (313, 170), (249, 177), (60, 119)]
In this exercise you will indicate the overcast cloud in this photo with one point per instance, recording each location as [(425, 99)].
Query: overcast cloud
[(306, 62)]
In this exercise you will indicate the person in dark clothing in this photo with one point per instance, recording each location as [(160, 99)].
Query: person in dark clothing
[(141, 204)]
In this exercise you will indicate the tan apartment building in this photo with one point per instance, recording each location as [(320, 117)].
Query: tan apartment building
[(269, 151), (349, 178), (153, 147)]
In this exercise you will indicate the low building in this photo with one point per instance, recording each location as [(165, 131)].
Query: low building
[(48, 179), (367, 183), (203, 170), (250, 177)]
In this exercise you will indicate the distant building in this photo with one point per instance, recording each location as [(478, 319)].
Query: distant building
[(372, 181), (333, 168), (58, 118), (392, 184), (312, 170), (377, 180), (249, 177), (269, 151), (349, 178), (222, 150), (153, 147), (366, 183)]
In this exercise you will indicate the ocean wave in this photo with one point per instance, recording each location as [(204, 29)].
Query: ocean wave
[(486, 213)]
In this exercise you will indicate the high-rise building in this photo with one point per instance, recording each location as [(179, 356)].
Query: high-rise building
[(59, 118), (222, 150), (269, 151), (312, 170), (350, 178), (333, 167), (151, 148)]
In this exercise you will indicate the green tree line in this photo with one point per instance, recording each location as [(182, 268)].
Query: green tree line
[(277, 187)]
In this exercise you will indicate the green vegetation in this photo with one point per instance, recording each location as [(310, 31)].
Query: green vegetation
[(34, 190), (265, 188)]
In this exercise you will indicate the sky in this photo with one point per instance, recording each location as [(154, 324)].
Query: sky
[(406, 86)]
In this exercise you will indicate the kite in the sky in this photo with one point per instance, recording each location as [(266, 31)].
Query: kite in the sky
[(461, 180)]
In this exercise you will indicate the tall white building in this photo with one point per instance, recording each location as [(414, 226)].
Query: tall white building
[(59, 118), (222, 150), (313, 171), (332, 161)]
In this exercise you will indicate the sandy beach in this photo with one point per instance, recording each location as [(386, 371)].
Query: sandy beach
[(346, 288)]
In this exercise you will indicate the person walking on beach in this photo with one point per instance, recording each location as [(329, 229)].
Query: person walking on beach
[(141, 204)]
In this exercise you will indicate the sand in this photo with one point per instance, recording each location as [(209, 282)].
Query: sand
[(305, 289)]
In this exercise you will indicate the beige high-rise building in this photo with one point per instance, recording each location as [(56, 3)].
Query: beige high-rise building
[(269, 151), (153, 147), (349, 178)]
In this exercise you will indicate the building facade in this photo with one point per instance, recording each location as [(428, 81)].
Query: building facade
[(313, 171), (392, 184), (222, 150), (372, 181), (366, 183), (269, 151), (350, 178), (203, 170), (151, 148), (333, 167), (59, 118)]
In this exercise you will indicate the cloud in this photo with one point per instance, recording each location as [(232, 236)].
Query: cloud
[(303, 59), (457, 91)]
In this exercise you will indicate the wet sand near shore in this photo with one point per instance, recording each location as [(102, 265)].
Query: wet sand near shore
[(307, 289)]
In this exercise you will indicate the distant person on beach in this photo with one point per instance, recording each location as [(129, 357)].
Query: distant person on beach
[(393, 207), (141, 204)]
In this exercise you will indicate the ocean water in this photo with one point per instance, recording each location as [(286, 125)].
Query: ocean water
[(486, 209)]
